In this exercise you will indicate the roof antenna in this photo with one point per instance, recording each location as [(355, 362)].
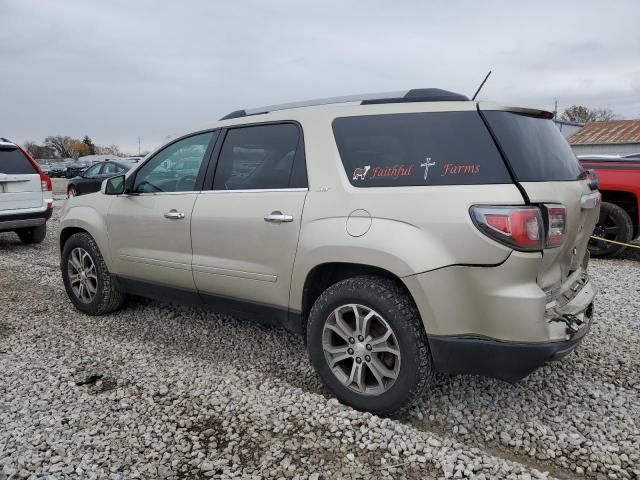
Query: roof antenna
[(480, 87)]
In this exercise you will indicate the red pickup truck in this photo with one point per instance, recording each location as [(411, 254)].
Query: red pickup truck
[(619, 179)]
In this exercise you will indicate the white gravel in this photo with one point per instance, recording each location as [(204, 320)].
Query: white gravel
[(163, 391)]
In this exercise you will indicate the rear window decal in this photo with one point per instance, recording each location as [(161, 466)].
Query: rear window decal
[(450, 169), (361, 173), (392, 173), (428, 163), (418, 149)]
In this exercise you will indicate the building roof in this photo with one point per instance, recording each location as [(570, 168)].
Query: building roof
[(613, 131)]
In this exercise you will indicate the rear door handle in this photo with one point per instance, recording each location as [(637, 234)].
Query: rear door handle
[(277, 217), (174, 215)]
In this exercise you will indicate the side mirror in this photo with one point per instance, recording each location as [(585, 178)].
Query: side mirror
[(113, 185)]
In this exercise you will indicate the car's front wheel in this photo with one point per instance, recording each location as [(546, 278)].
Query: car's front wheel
[(87, 280), (367, 342)]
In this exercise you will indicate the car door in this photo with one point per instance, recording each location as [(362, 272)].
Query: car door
[(245, 229), (89, 179), (149, 227)]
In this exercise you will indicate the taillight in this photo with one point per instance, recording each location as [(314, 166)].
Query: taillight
[(45, 183), (518, 227), (556, 225), (523, 228)]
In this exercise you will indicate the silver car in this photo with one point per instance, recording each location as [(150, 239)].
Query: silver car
[(399, 234)]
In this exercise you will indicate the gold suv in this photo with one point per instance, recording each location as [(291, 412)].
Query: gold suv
[(399, 234)]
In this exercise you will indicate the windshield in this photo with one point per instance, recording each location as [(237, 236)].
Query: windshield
[(534, 147)]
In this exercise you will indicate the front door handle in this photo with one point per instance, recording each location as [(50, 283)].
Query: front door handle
[(174, 215), (277, 217)]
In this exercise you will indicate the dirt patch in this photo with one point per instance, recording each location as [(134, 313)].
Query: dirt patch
[(5, 330)]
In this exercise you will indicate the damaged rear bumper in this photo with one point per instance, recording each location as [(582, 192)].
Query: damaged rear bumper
[(509, 361)]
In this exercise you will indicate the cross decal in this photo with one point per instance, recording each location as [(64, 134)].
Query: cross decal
[(426, 166)]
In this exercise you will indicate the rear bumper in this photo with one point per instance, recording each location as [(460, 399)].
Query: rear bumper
[(16, 221), (509, 361), (497, 321)]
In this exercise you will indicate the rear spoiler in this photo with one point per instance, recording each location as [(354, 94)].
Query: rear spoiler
[(530, 112)]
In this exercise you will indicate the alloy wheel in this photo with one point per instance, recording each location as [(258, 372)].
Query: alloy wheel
[(361, 349), (82, 275)]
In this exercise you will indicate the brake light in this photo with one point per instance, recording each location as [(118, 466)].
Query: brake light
[(518, 227), (45, 182), (556, 225)]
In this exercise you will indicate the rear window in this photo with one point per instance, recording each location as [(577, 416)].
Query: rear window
[(534, 147), (416, 149), (13, 162)]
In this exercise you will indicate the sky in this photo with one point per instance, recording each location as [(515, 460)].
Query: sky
[(119, 70)]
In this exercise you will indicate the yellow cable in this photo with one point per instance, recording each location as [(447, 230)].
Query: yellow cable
[(613, 241)]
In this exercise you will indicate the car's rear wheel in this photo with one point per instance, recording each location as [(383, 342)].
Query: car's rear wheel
[(87, 280), (613, 224), (71, 192), (32, 234), (367, 342)]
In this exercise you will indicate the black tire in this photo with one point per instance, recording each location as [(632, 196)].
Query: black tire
[(614, 224), (33, 234), (107, 297), (392, 302)]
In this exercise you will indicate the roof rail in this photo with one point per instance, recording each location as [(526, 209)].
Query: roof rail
[(414, 95)]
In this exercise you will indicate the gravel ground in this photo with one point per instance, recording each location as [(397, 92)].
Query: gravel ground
[(163, 391)]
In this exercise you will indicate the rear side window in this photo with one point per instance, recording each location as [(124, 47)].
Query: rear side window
[(534, 147), (13, 162), (258, 157), (412, 149)]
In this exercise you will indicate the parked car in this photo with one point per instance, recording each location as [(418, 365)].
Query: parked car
[(58, 170), (89, 181), (619, 184), (26, 200), (45, 167), (76, 168), (400, 235)]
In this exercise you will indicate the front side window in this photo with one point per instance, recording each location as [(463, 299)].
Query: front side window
[(110, 169), (418, 149), (257, 157), (93, 170), (175, 168)]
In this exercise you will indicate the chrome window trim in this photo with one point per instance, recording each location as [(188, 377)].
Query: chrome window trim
[(258, 190), (255, 190)]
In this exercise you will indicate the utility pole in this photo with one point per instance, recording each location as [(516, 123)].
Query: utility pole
[(138, 146), (555, 110)]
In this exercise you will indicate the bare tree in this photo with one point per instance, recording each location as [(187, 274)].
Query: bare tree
[(582, 114), (38, 151), (108, 150), (58, 144)]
